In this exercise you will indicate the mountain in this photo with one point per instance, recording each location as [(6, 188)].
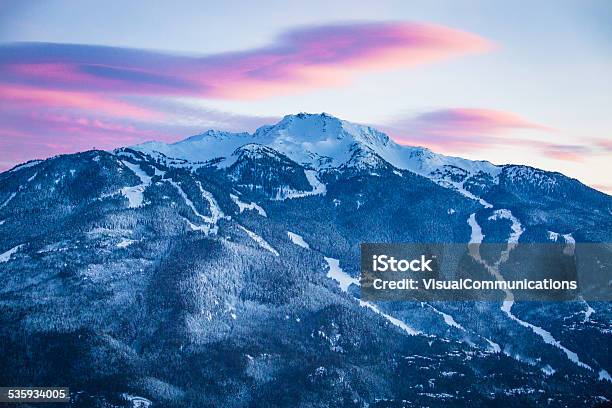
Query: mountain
[(223, 270), (318, 142)]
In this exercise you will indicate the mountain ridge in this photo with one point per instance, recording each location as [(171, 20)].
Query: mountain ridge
[(315, 133), (220, 145), (325, 142)]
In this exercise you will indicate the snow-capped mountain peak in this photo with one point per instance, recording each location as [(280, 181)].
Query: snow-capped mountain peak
[(203, 147), (319, 127), (322, 141), (319, 140)]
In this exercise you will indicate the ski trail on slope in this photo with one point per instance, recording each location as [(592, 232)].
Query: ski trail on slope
[(517, 230), (336, 273), (260, 241), (345, 280), (134, 194), (245, 206), (318, 188), (298, 240), (448, 319), (394, 321), (12, 195), (8, 200), (545, 335), (588, 312), (461, 190), (215, 211)]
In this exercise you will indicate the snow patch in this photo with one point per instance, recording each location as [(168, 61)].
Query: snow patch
[(262, 242), (494, 346), (587, 313), (318, 188), (604, 375), (570, 244), (391, 319), (6, 256), (448, 319), (125, 242), (477, 236), (8, 200), (244, 206), (207, 229), (134, 194), (137, 402), (298, 240), (336, 273)]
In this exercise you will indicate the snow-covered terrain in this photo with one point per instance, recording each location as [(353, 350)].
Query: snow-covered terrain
[(395, 321), (6, 256), (336, 273), (215, 212), (250, 206), (321, 141), (298, 240), (134, 194), (260, 241), (231, 281), (508, 303), (317, 188)]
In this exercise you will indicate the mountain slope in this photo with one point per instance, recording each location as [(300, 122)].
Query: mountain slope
[(158, 272)]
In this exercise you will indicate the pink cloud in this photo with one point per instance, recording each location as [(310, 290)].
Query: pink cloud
[(299, 60), (469, 121), (28, 98), (605, 145), (62, 133), (572, 153), (332, 55), (459, 130), (40, 133)]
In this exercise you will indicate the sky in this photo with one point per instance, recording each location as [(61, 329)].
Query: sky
[(510, 82)]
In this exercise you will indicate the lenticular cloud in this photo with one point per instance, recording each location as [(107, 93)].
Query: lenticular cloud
[(298, 60)]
